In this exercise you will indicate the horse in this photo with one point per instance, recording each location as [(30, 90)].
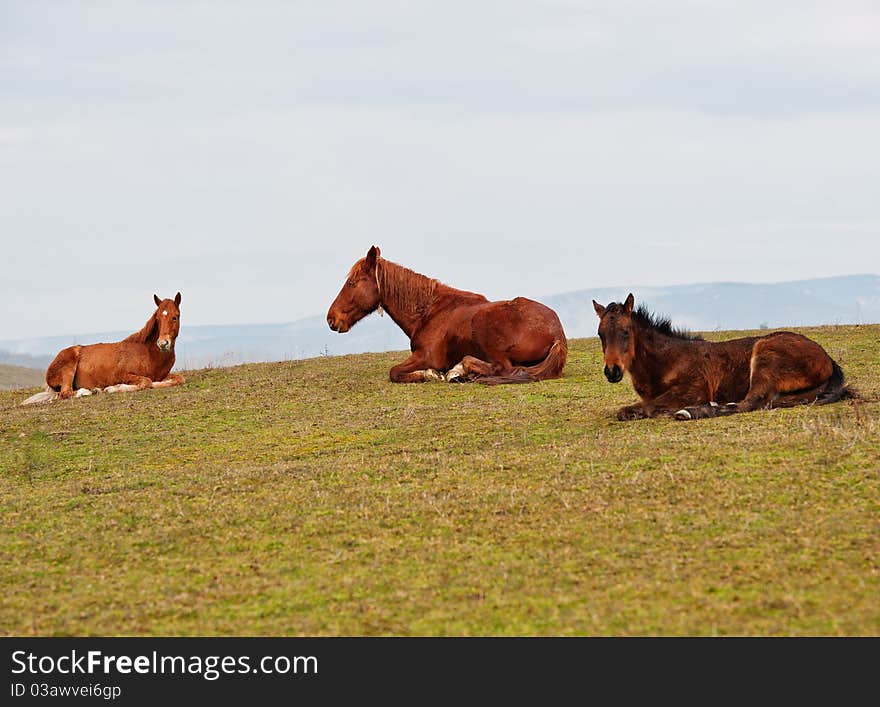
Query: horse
[(677, 373), (142, 360), (455, 335)]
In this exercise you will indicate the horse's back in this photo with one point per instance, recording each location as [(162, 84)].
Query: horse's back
[(520, 329)]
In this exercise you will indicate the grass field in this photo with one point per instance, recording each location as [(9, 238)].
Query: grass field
[(12, 377), (315, 497)]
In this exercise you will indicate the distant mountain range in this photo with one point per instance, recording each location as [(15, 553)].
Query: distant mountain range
[(852, 299)]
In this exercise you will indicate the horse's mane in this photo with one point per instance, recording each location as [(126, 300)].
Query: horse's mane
[(145, 335), (658, 323), (411, 291)]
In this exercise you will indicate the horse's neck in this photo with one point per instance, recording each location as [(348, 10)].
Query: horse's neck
[(406, 295), (148, 334), (411, 299), (654, 354)]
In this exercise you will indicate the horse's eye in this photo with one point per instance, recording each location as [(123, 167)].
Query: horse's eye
[(625, 333), (174, 319)]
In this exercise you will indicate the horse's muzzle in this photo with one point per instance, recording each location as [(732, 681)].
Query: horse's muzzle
[(164, 344), (614, 374), (336, 324)]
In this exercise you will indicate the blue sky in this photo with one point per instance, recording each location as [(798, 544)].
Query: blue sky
[(247, 153)]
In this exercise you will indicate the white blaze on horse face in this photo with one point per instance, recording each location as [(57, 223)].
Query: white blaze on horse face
[(164, 313)]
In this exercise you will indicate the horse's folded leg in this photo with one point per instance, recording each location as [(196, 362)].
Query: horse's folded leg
[(456, 374), (631, 412), (120, 388), (431, 375), (697, 412), (172, 380)]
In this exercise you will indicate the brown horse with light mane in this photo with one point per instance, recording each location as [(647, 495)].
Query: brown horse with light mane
[(677, 373), (142, 360), (454, 335)]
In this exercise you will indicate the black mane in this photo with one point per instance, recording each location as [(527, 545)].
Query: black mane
[(648, 319)]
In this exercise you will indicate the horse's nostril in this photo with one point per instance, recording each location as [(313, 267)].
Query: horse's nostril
[(614, 374)]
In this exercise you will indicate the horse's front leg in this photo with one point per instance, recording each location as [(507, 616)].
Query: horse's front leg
[(664, 404), (415, 369), (679, 403), (170, 380), (632, 412), (139, 382)]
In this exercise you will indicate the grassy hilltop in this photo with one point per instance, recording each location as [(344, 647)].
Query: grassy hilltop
[(315, 497)]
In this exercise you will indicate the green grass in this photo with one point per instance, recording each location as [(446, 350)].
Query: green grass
[(315, 497)]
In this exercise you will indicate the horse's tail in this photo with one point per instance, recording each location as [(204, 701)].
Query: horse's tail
[(46, 396), (550, 367), (835, 388)]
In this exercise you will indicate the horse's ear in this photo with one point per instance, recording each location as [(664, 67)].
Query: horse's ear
[(630, 301), (600, 310), (177, 299), (157, 300), (372, 256)]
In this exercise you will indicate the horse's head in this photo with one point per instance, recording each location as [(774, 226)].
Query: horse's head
[(168, 318), (617, 337), (359, 295)]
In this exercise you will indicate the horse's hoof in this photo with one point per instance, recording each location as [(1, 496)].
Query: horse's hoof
[(432, 375), (456, 374), (82, 392), (683, 415)]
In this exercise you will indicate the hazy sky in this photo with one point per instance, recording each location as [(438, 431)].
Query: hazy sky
[(247, 153)]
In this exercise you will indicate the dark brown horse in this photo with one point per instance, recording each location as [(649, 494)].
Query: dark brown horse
[(143, 360), (677, 373), (454, 335)]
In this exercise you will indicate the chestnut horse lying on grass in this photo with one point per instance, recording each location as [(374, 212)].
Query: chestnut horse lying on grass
[(677, 373), (454, 335), (143, 360)]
